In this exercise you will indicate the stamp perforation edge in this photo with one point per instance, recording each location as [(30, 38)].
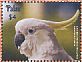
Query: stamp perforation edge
[(1, 17), (81, 34), (1, 23), (39, 1)]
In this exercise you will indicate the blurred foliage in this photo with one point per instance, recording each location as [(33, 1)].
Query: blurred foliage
[(9, 49)]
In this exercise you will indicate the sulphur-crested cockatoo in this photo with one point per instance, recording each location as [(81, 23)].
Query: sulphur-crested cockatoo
[(35, 38)]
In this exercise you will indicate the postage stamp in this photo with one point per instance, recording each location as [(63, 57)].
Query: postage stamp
[(41, 31)]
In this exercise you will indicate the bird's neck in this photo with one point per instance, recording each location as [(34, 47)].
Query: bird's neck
[(47, 47), (46, 50)]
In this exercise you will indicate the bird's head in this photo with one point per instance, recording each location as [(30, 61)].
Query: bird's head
[(31, 33)]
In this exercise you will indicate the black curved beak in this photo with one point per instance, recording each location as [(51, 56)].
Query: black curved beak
[(19, 38)]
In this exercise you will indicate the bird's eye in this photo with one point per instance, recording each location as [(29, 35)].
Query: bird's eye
[(31, 30)]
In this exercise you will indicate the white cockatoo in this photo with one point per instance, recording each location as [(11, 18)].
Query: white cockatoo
[(35, 38)]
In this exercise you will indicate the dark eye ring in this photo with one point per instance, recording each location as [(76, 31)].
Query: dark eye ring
[(31, 30)]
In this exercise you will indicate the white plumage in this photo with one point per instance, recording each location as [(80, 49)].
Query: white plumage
[(35, 39)]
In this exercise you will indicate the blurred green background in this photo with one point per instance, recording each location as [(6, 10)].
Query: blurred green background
[(49, 11)]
